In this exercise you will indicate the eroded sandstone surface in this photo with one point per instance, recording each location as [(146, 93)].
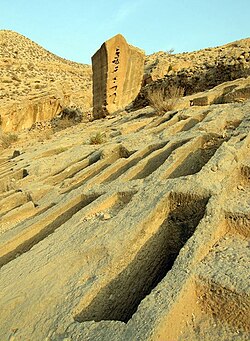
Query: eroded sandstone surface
[(141, 237), (118, 70), (131, 227)]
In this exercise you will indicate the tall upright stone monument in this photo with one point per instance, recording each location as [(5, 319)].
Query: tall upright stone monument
[(118, 70)]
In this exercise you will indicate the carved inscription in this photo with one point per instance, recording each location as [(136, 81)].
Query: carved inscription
[(115, 62)]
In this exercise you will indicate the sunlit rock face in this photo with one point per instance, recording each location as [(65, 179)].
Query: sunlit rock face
[(117, 75)]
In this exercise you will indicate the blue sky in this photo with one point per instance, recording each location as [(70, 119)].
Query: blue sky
[(75, 29)]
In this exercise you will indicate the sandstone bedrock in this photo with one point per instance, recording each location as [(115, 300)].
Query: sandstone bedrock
[(131, 227)]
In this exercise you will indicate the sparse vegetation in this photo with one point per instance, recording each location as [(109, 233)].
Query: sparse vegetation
[(8, 139), (170, 51), (97, 138), (164, 99), (68, 117), (99, 215), (72, 113)]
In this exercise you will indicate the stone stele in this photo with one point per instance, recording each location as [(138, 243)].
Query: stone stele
[(117, 75)]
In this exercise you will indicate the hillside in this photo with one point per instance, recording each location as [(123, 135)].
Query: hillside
[(195, 71), (131, 227), (205, 62), (30, 75), (36, 84)]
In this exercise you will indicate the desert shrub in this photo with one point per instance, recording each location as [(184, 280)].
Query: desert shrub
[(97, 138), (68, 117), (8, 139), (170, 51), (164, 99), (71, 113)]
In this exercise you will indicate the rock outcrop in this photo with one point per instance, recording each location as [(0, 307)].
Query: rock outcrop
[(229, 92), (200, 70), (117, 75), (195, 71)]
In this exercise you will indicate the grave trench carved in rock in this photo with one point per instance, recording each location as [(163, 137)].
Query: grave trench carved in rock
[(156, 160), (13, 201), (113, 204), (42, 228), (217, 297), (120, 299), (205, 302), (94, 173), (74, 168), (133, 160), (12, 174), (197, 158)]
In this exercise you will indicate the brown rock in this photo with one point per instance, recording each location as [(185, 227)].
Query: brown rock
[(117, 75), (199, 101)]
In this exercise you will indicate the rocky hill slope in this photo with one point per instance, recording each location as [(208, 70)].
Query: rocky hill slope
[(36, 84), (211, 66), (132, 227), (195, 71)]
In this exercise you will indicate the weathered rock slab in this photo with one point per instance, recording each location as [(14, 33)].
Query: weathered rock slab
[(117, 75)]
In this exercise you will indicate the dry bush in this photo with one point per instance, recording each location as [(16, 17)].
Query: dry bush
[(8, 139), (164, 99), (72, 113), (68, 117), (98, 138), (170, 51)]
